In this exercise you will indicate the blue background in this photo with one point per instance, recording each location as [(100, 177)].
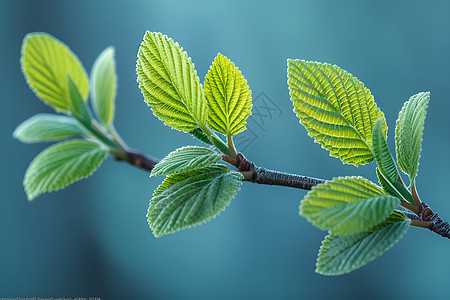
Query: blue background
[(92, 238)]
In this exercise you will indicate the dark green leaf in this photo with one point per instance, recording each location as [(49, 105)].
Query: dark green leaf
[(78, 107), (383, 156), (200, 135), (394, 188)]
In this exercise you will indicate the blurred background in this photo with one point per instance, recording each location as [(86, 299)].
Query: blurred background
[(92, 239)]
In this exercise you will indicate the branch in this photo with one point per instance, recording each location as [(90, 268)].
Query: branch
[(262, 175), (424, 216), (435, 222), (136, 159)]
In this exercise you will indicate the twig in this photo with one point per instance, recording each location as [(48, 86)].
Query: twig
[(262, 175)]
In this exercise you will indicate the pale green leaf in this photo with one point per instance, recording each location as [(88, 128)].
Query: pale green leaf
[(187, 199), (343, 254), (347, 205), (78, 108), (45, 62), (104, 85), (229, 97), (62, 164), (409, 132), (47, 127), (382, 154), (169, 83), (335, 108), (186, 159)]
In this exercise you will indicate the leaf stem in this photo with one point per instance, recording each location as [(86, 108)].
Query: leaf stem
[(119, 149), (98, 127), (116, 137), (409, 206), (231, 146), (400, 180), (420, 223), (415, 195), (98, 134)]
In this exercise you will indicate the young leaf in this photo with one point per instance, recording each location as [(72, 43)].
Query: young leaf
[(388, 186), (347, 205), (47, 127), (62, 164), (345, 253), (200, 135), (409, 132), (78, 107), (104, 85), (335, 108), (170, 84), (80, 111), (387, 172), (394, 188), (186, 159), (229, 97), (45, 63), (382, 154), (186, 199)]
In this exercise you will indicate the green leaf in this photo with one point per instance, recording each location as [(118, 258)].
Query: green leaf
[(335, 108), (47, 127), (387, 186), (187, 199), (104, 85), (62, 164), (343, 254), (80, 111), (78, 107), (45, 62), (229, 97), (201, 136), (383, 156), (409, 132), (396, 216), (186, 159), (394, 188), (347, 205), (169, 83)]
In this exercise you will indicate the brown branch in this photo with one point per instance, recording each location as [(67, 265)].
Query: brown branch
[(424, 217), (135, 158), (435, 222), (262, 175)]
